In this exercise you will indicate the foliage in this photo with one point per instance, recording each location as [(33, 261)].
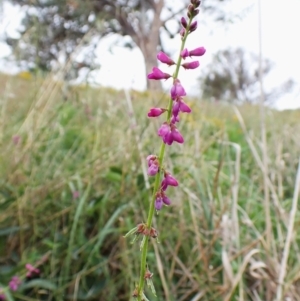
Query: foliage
[(87, 145), (233, 75), (54, 30)]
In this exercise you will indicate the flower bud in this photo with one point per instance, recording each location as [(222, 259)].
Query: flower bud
[(196, 12), (183, 22), (193, 26), (177, 90), (182, 32), (196, 3), (191, 65), (161, 56), (197, 52), (155, 112), (157, 74), (184, 53)]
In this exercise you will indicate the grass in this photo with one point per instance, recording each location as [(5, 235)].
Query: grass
[(213, 239)]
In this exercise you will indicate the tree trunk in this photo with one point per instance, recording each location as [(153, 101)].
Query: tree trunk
[(148, 43)]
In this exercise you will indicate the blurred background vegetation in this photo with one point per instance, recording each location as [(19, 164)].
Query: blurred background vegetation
[(72, 181)]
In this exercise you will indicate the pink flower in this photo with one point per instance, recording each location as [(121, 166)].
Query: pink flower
[(191, 65), (153, 170), (161, 56), (158, 202), (150, 159), (168, 181), (182, 32), (14, 283), (184, 53), (197, 52), (161, 199), (16, 139), (155, 112), (157, 74), (177, 90), (31, 270), (166, 200), (193, 26), (183, 22), (180, 106), (169, 134), (153, 165), (76, 194), (164, 129), (175, 119)]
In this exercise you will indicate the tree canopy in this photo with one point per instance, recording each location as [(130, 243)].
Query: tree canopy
[(233, 76), (54, 29)]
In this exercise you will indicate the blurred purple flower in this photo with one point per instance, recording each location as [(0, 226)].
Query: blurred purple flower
[(168, 181), (161, 199), (191, 65), (16, 139), (32, 271), (14, 283), (158, 202), (155, 112), (193, 26), (197, 52), (177, 90), (180, 106), (169, 134), (183, 22), (76, 194), (157, 74), (162, 57), (184, 53), (153, 165)]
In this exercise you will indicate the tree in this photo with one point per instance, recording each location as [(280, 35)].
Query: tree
[(233, 76), (55, 28)]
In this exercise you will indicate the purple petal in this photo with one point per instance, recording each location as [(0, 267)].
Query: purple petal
[(157, 74), (197, 52), (177, 136), (155, 112), (171, 180), (164, 184), (183, 22), (176, 108), (184, 108), (191, 65), (161, 56), (168, 138), (153, 169), (193, 26), (175, 119), (177, 90), (163, 130), (158, 203), (166, 200), (184, 53)]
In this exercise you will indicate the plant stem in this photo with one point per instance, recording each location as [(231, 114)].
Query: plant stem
[(158, 177)]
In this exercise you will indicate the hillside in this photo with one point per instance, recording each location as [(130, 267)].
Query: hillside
[(72, 184)]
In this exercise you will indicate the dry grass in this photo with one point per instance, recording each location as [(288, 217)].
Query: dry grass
[(213, 239)]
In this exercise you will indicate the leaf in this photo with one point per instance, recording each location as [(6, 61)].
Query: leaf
[(39, 283)]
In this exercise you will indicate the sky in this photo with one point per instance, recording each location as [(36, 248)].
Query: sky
[(124, 68)]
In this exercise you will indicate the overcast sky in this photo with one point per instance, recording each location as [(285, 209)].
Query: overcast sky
[(124, 68)]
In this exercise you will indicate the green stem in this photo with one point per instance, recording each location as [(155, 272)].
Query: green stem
[(158, 177)]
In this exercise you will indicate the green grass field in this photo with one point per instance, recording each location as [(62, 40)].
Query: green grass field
[(72, 184)]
